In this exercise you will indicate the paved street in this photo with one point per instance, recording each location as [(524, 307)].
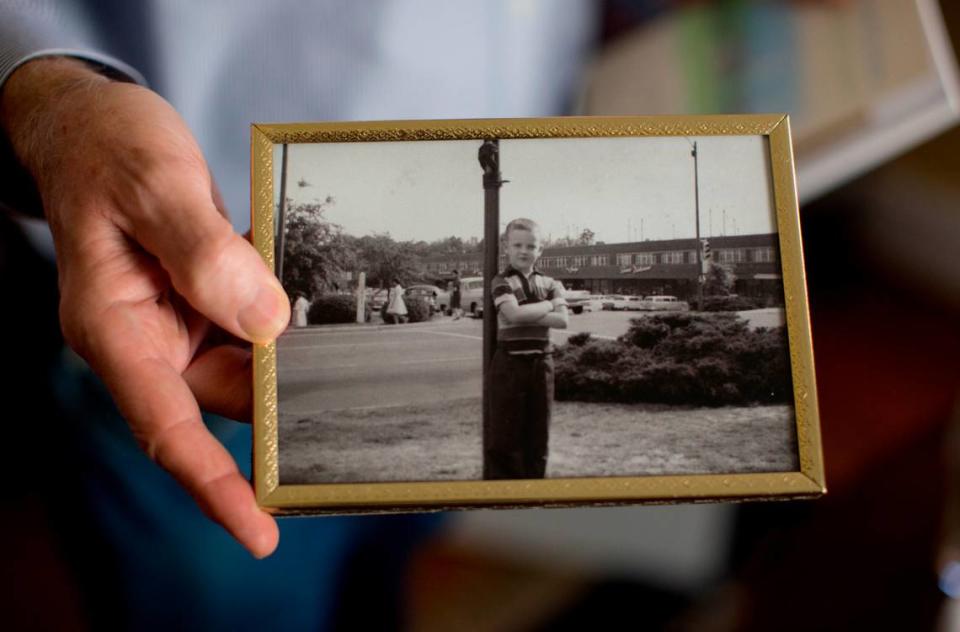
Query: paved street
[(354, 366), (336, 367)]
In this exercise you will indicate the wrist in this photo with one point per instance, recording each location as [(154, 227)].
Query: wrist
[(37, 104)]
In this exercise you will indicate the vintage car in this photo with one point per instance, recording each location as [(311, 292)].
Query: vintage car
[(439, 299), (664, 303), (634, 304), (576, 299), (471, 296), (590, 303), (619, 302), (376, 298)]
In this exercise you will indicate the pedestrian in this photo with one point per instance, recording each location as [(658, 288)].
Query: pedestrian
[(396, 308), (300, 308), (528, 304), (455, 296)]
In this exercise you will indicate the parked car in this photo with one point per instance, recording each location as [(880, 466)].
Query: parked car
[(613, 302), (576, 300), (471, 295), (664, 303), (619, 302), (634, 304), (594, 303), (376, 298), (439, 299)]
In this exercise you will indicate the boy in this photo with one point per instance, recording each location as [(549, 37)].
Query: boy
[(527, 304)]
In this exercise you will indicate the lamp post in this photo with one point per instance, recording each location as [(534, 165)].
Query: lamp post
[(489, 157), (281, 220), (696, 213)]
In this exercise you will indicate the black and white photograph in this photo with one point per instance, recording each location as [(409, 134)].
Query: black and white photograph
[(633, 323)]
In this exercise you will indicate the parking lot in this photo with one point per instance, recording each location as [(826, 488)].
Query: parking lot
[(402, 402), (350, 366), (336, 367)]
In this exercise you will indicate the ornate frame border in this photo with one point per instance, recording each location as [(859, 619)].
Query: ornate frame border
[(433, 496)]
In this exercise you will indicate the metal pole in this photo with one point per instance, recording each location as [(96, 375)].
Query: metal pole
[(362, 297), (489, 156), (281, 233), (696, 206)]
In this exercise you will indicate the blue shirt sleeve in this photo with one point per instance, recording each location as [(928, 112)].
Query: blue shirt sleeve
[(30, 30)]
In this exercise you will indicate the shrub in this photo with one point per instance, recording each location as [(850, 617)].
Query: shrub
[(334, 308), (646, 333), (729, 303), (693, 359), (418, 310), (580, 339)]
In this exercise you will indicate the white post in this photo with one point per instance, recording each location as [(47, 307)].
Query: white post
[(361, 296)]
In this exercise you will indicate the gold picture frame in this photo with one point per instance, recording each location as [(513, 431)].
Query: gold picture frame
[(806, 480)]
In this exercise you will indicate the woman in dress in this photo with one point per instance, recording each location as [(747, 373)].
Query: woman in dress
[(396, 308), (300, 308)]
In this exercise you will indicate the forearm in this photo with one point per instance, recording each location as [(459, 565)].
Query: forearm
[(556, 319), (529, 313)]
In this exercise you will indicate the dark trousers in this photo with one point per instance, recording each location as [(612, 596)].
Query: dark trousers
[(516, 435)]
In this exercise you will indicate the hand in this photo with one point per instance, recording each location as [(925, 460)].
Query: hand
[(148, 266)]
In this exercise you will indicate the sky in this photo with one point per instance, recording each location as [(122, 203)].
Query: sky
[(623, 189)]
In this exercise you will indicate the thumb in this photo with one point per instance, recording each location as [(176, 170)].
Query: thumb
[(215, 269)]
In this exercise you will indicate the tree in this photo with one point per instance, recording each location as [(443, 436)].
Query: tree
[(585, 238), (719, 281), (316, 252), (383, 258), (448, 246)]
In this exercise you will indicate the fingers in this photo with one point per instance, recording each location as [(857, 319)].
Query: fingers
[(165, 419), (214, 268), (220, 379)]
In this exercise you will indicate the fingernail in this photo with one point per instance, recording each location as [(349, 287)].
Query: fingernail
[(262, 319)]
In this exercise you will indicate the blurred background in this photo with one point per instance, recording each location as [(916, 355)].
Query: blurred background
[(871, 89)]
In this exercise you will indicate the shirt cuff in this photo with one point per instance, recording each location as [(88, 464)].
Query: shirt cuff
[(104, 64)]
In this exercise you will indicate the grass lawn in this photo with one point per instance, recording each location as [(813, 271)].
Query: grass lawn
[(441, 441)]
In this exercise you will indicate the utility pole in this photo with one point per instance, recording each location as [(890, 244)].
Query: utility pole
[(701, 278), (489, 157)]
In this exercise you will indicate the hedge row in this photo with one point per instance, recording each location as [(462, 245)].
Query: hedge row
[(328, 309), (418, 310), (681, 358), (730, 303)]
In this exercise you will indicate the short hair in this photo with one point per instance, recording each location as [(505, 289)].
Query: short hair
[(521, 223), (455, 271)]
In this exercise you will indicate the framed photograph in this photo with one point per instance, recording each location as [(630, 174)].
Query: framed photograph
[(533, 312)]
